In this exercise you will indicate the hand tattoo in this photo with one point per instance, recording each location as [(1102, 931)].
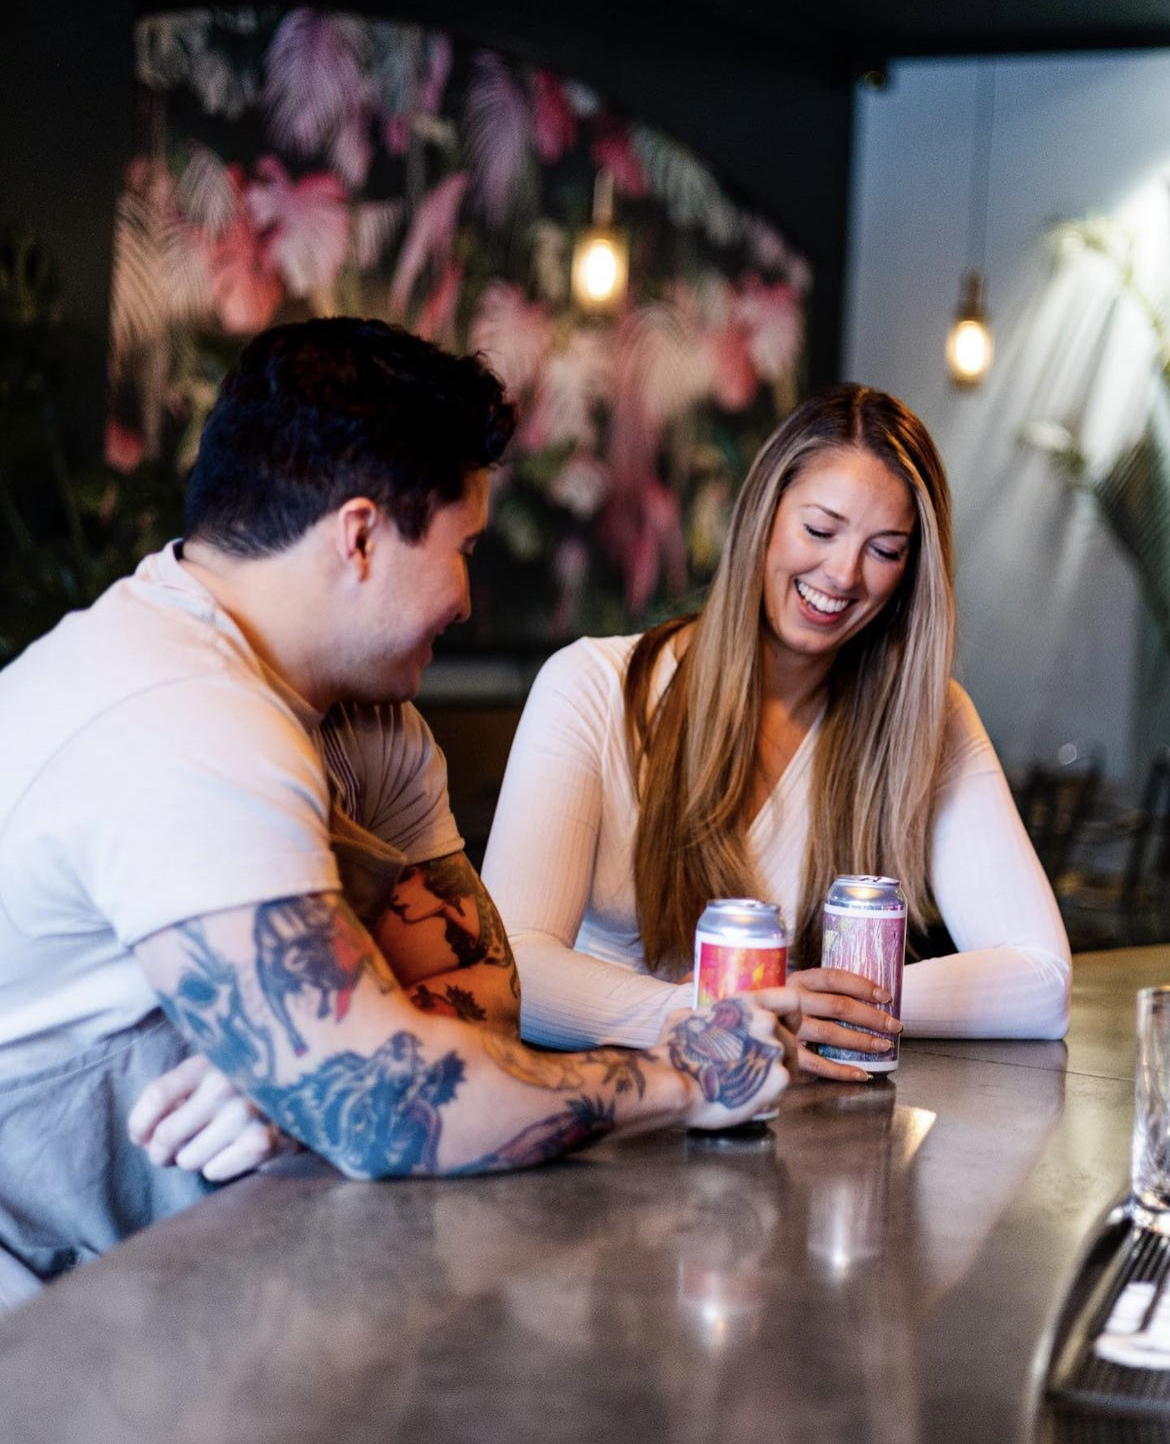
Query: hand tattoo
[(717, 1050)]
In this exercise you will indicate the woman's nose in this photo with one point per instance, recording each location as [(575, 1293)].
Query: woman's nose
[(843, 565)]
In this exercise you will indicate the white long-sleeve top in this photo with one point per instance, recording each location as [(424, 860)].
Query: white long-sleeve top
[(559, 865)]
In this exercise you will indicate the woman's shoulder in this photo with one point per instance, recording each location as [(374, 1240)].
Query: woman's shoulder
[(589, 660), (583, 679), (966, 745)]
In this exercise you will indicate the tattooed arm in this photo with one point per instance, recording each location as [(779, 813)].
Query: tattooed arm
[(446, 945), (295, 1004)]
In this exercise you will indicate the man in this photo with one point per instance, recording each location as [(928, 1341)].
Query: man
[(215, 787)]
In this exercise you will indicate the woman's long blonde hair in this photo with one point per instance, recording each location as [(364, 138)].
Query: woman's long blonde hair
[(874, 773)]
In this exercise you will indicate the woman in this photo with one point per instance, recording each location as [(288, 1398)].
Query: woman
[(803, 725)]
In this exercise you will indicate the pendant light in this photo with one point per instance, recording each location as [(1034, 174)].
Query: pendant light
[(969, 342), (601, 256)]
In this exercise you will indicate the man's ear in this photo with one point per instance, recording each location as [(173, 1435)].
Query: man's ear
[(357, 520)]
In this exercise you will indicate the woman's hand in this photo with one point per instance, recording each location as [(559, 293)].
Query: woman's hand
[(196, 1119), (830, 997)]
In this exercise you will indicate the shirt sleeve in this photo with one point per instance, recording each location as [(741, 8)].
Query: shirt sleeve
[(1011, 975), (188, 799), (403, 781), (541, 855)]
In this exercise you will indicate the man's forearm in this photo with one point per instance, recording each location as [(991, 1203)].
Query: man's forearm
[(295, 1004), (481, 993), (378, 1089)]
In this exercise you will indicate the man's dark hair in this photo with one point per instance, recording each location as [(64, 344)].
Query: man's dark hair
[(320, 411)]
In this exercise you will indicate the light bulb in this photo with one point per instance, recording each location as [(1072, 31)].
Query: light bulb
[(969, 343), (600, 269)]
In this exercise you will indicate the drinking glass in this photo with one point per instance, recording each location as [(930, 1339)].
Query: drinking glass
[(1151, 1104)]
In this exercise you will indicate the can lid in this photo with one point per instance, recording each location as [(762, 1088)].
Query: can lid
[(867, 891)]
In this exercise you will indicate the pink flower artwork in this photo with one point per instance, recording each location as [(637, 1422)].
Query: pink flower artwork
[(437, 69), (436, 320), (124, 447), (734, 381), (554, 122), (245, 289), (613, 151), (304, 223), (381, 168), (428, 239), (513, 333), (774, 323)]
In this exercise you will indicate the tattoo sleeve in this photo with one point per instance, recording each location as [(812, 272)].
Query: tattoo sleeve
[(263, 994), (448, 890), (443, 939)]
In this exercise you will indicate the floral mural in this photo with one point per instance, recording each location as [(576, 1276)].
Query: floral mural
[(295, 163)]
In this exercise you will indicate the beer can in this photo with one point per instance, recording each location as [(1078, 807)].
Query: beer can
[(741, 945), (865, 932)]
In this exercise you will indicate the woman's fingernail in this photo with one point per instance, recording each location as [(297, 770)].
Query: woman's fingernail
[(893, 1025), (881, 996)]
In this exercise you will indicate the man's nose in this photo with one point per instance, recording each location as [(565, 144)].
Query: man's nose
[(464, 600)]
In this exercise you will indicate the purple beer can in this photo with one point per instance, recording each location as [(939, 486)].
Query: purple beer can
[(865, 932)]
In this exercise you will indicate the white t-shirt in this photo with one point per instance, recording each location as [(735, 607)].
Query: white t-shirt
[(154, 770), (559, 866)]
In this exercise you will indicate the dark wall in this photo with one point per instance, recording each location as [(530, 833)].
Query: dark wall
[(66, 72)]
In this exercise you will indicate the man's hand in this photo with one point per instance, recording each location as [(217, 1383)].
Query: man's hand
[(197, 1119), (830, 997), (740, 1052)]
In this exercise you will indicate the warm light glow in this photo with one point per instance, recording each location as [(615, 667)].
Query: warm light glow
[(600, 264), (599, 270), (969, 351), (969, 344)]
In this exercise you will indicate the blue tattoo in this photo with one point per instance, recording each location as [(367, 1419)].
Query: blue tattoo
[(717, 1050), (305, 943), (207, 1007), (377, 1115), (374, 1116)]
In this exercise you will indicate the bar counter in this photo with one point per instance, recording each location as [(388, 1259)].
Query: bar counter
[(884, 1262)]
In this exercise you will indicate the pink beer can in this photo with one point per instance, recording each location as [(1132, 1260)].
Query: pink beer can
[(865, 932), (741, 945)]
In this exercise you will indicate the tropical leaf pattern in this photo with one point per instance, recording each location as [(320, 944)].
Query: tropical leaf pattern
[(305, 162), (500, 142), (691, 193), (313, 81)]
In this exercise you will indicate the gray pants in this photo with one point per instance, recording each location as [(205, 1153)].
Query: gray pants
[(71, 1182)]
